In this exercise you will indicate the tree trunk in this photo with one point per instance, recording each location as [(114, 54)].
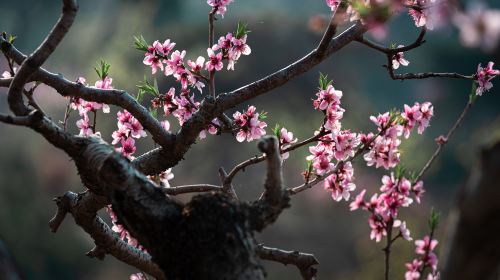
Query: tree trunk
[(473, 251)]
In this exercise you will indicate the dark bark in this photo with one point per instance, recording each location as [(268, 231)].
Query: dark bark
[(473, 251)]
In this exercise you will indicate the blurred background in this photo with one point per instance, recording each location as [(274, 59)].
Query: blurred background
[(32, 172)]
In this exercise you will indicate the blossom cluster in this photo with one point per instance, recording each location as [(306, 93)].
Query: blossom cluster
[(219, 6), (85, 107), (484, 77), (336, 144), (395, 192), (384, 148), (250, 125), (190, 74), (427, 258), (128, 129)]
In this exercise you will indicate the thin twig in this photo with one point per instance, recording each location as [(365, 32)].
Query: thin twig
[(241, 166), (441, 142), (309, 184)]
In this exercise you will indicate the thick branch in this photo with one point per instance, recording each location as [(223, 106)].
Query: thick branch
[(275, 198), (304, 262), (191, 189), (38, 57), (83, 208), (284, 75), (114, 97), (32, 117), (251, 161)]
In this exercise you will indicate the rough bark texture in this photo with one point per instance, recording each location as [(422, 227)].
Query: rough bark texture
[(473, 251)]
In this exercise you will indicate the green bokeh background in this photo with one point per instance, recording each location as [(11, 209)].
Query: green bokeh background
[(32, 172)]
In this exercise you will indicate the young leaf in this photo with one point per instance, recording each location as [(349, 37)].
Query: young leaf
[(433, 219), (241, 30), (102, 69), (277, 131), (140, 43)]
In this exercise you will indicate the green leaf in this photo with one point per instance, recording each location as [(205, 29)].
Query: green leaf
[(241, 30), (140, 95), (323, 81), (263, 115), (433, 219), (146, 87), (102, 69), (140, 43), (400, 171), (153, 112), (277, 131)]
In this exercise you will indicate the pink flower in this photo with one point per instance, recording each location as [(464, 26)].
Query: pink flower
[(128, 147), (425, 245), (411, 116), (154, 61), (333, 4), (251, 128), (176, 61), (345, 142), (120, 134), (359, 201), (327, 98), (214, 60), (286, 140), (479, 26), (224, 42), (165, 125), (165, 48), (240, 47), (84, 126), (404, 231), (384, 153), (219, 5), (340, 183), (169, 104), (197, 65), (166, 176), (413, 268), (185, 107), (211, 128), (399, 59), (418, 190), (323, 164), (422, 15), (484, 77), (427, 111)]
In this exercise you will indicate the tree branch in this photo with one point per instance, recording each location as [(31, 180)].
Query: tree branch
[(114, 97), (191, 189), (27, 120), (304, 262), (38, 57), (267, 209), (83, 207), (441, 141)]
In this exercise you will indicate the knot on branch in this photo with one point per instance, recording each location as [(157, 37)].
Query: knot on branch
[(268, 145)]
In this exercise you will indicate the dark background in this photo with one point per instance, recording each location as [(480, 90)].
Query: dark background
[(32, 172)]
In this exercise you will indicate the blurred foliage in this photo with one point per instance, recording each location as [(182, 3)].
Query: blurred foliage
[(32, 172)]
